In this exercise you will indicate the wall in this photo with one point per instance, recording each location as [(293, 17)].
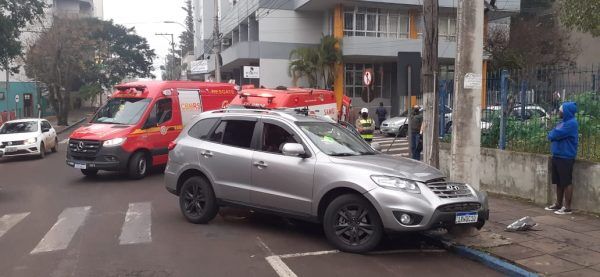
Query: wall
[(528, 176), (291, 27)]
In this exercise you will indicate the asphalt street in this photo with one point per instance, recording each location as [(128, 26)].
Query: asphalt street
[(55, 222)]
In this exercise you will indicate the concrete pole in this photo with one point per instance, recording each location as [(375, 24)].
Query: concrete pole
[(466, 132), (429, 68), (217, 43)]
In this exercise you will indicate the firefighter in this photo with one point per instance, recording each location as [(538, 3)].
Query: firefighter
[(365, 125)]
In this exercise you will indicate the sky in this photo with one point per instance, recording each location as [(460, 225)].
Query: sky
[(147, 17)]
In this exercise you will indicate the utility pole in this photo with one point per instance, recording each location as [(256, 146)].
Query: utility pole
[(172, 75), (217, 43), (466, 130), (429, 68)]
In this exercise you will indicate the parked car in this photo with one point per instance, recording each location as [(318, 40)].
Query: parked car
[(532, 112), (311, 169), (399, 124), (27, 137)]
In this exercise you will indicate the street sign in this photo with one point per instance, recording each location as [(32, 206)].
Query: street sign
[(251, 72), (368, 77), (199, 67), (17, 98)]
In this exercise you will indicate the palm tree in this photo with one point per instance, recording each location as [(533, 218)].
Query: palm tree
[(316, 63), (330, 54), (304, 63)]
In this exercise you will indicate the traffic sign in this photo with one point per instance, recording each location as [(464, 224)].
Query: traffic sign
[(368, 77), (17, 98)]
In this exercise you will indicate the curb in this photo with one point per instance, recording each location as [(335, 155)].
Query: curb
[(71, 126), (488, 260)]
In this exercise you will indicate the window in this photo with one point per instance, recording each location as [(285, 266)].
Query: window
[(236, 133), (354, 79), (373, 22), (126, 111), (46, 125), (202, 128), (274, 137), (447, 28), (161, 113)]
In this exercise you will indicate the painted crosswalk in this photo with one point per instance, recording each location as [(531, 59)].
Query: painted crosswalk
[(393, 146), (136, 228)]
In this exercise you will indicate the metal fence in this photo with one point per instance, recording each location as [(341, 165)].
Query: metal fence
[(520, 107)]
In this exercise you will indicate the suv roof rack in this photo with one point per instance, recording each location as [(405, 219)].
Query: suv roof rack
[(257, 111)]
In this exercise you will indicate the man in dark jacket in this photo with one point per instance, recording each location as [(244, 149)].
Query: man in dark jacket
[(415, 126), (564, 140), (381, 114)]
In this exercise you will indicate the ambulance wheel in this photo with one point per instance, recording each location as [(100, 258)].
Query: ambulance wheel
[(89, 172), (138, 166)]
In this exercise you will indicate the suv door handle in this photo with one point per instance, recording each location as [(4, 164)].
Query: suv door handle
[(260, 164), (206, 154)]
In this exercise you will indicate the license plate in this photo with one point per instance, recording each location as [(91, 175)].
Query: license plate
[(10, 149), (80, 166), (466, 217)]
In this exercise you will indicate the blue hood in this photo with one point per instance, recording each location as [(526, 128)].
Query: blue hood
[(569, 110), (564, 137)]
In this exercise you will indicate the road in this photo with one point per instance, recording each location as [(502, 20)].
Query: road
[(55, 222)]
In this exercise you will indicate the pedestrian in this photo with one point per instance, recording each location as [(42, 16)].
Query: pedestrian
[(564, 140), (415, 127), (365, 125), (555, 101), (381, 113)]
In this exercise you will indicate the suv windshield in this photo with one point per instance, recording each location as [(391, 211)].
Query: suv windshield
[(335, 140), (19, 127), (122, 111)]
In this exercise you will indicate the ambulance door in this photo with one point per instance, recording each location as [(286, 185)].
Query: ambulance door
[(190, 104), (161, 128)]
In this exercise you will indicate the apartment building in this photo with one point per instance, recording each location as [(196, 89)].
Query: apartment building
[(262, 33)]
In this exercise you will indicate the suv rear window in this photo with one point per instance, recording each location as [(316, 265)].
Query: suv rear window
[(236, 133), (202, 128)]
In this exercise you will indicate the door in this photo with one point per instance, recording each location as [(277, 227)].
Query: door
[(281, 182), (161, 129), (49, 136), (227, 157), (190, 104), (27, 105)]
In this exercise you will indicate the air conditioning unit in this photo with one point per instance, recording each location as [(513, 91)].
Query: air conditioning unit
[(226, 42)]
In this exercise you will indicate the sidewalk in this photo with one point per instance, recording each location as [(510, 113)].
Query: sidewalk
[(75, 117), (567, 245)]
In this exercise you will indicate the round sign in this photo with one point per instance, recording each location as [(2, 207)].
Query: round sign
[(368, 78), (17, 98), (163, 130)]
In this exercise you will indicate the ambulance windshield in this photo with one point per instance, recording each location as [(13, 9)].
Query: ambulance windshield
[(127, 111)]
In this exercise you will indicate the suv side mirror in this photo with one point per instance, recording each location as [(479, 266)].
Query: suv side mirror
[(293, 149), (376, 146)]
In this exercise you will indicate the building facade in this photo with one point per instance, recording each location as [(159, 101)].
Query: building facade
[(262, 33)]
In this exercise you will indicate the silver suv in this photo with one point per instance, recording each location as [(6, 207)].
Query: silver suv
[(307, 168)]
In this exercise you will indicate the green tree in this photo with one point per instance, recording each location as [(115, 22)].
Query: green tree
[(14, 16), (303, 63), (172, 68), (581, 15), (329, 55), (186, 39), (316, 63)]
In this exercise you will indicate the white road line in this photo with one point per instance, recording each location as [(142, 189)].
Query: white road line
[(64, 141), (264, 246), (316, 253), (10, 220), (280, 267), (60, 235), (137, 226)]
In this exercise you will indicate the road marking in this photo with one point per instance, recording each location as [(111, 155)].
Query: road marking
[(316, 253), (10, 220), (60, 235), (137, 226), (280, 267), (64, 141)]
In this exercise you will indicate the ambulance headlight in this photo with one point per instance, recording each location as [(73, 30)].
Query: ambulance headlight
[(114, 142)]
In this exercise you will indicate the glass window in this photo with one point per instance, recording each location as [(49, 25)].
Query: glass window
[(19, 127), (349, 22), (335, 140), (126, 111), (404, 29), (360, 23), (274, 137), (371, 24), (161, 113), (383, 25), (202, 128), (236, 133)]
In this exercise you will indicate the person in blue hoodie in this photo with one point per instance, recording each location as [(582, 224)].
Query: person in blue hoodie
[(564, 140)]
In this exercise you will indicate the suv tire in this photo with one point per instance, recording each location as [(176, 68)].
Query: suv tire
[(345, 221), (138, 166), (89, 172), (197, 200)]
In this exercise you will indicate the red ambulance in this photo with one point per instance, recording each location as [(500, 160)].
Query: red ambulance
[(133, 130), (319, 102)]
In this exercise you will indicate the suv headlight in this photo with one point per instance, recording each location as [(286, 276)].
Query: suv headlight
[(390, 182), (31, 141), (114, 142)]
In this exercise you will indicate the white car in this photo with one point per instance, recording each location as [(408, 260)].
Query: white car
[(27, 137)]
